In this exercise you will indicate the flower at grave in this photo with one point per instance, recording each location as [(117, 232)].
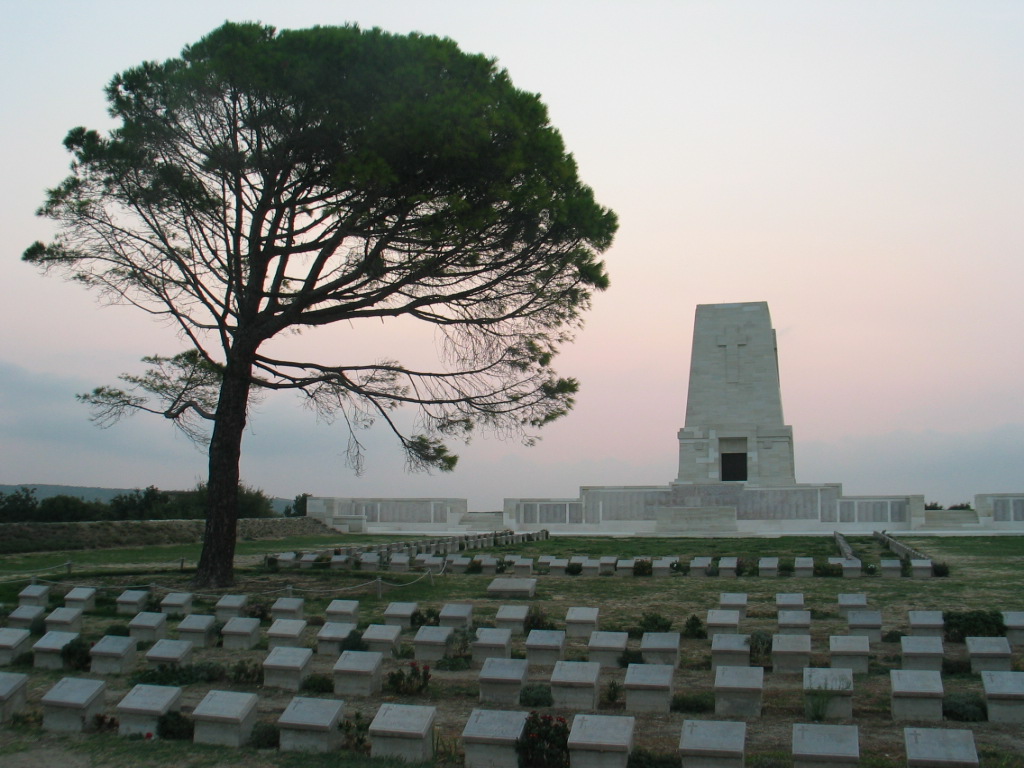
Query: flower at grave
[(149, 736)]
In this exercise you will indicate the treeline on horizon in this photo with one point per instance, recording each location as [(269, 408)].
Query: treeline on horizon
[(22, 506)]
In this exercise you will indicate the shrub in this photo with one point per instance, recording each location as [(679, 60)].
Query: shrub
[(694, 628), (355, 733), (536, 695), (613, 692), (650, 622), (474, 567), (702, 701), (829, 570), (760, 647), (454, 663), (173, 674), (75, 655), (574, 569), (940, 570), (963, 624), (956, 667), (642, 567), (318, 683), (630, 656), (536, 619), (120, 630), (258, 610), (175, 726), (353, 642), (408, 681), (544, 743), (644, 758), (893, 636), (427, 617), (245, 672), (965, 707), (38, 625), (265, 736)]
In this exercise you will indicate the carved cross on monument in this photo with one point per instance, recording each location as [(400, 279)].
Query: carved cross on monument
[(731, 341)]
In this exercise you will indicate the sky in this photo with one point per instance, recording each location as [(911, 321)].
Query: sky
[(857, 165)]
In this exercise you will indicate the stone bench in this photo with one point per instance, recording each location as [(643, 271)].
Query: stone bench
[(866, 623), (358, 673), (850, 652), (343, 611), (382, 638), (285, 667), (729, 650), (83, 598), (139, 712), (511, 617), (791, 653), (47, 653), (292, 608), (225, 718), (489, 738), (817, 745), (574, 684), (649, 687), (14, 641), (989, 654), (940, 748), (169, 653), (712, 744), (1004, 695), (660, 648), (828, 693), (331, 636), (606, 648), (311, 725), (501, 681), (403, 731), (926, 623), (738, 691), (113, 655), (922, 653), (148, 626), (602, 741), (132, 601), (916, 694), (71, 706), (241, 633), (198, 628), (456, 615), (431, 643), (491, 643), (230, 607), (35, 594), (177, 604), (733, 601), (544, 647), (13, 695), (286, 633)]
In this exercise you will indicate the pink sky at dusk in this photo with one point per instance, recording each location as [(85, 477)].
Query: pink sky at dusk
[(857, 165)]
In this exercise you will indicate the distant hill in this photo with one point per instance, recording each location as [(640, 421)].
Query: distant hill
[(99, 494)]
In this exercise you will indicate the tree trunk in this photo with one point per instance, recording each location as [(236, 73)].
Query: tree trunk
[(216, 563)]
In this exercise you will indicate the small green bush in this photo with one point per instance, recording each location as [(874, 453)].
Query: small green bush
[(474, 567), (175, 726), (829, 570), (408, 681), (353, 642), (318, 683), (574, 569), (694, 628), (760, 647), (536, 695), (644, 758), (956, 667), (75, 655), (544, 743), (630, 656), (613, 692), (964, 707), (964, 624), (119, 630), (265, 736), (427, 617), (643, 567), (893, 636), (355, 733), (702, 701), (940, 570), (246, 672), (454, 663), (536, 619), (650, 621)]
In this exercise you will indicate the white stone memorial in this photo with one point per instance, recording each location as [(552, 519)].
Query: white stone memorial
[(501, 681), (729, 650), (738, 691), (330, 637), (113, 655), (600, 741), (989, 654), (511, 617), (940, 748), (311, 725), (712, 744), (660, 648), (544, 647), (926, 623), (574, 684), (399, 614), (288, 608), (241, 633), (169, 653), (286, 633), (343, 611), (139, 712), (358, 673), (148, 626), (382, 638), (35, 594), (791, 653), (403, 731), (733, 601), (817, 745), (72, 704), (456, 615), (828, 693), (225, 718), (83, 598), (24, 616), (177, 604), (852, 652), (13, 695), (1004, 695), (199, 629), (47, 653), (606, 648), (489, 738), (285, 667), (922, 653), (916, 694), (131, 602), (648, 687), (491, 643), (230, 607), (431, 643), (14, 641)]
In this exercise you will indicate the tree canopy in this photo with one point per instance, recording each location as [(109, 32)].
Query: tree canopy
[(271, 181)]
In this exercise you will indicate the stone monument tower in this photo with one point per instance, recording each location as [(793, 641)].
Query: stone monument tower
[(734, 430)]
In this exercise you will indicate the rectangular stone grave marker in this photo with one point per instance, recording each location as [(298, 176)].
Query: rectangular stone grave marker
[(922, 653), (866, 623), (169, 652), (926, 623), (699, 566), (720, 622), (113, 655), (23, 616), (727, 567), (431, 643), (791, 653), (400, 614), (139, 712), (712, 744), (544, 647), (851, 601), (849, 652), (72, 704), (891, 568), (225, 718), (46, 653), (768, 567), (990, 654), (292, 608), (916, 694), (177, 604), (789, 601), (456, 615), (148, 626), (921, 569), (817, 745), (358, 673), (311, 725), (230, 607), (803, 567), (14, 641), (581, 621), (35, 594), (738, 691), (199, 629), (828, 693), (606, 648), (1004, 695), (512, 588), (940, 748), (1014, 621), (660, 648), (511, 617), (601, 741), (574, 684), (403, 731), (852, 568), (382, 638), (131, 602), (331, 636), (13, 695), (794, 622), (648, 687), (343, 611), (729, 650), (491, 642), (502, 680), (733, 601), (489, 738), (286, 633), (81, 597), (241, 633)]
